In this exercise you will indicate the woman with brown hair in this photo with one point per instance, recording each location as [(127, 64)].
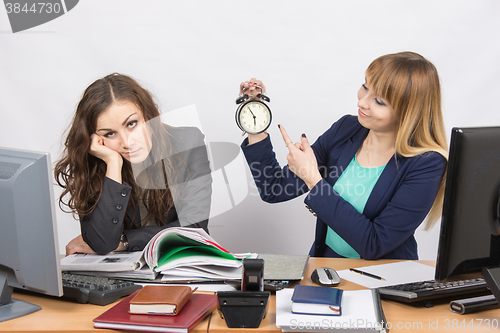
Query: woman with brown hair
[(372, 178), (125, 174)]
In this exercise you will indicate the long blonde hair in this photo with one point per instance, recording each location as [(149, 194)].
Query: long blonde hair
[(410, 83)]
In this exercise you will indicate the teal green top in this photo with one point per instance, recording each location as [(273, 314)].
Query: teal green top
[(354, 185)]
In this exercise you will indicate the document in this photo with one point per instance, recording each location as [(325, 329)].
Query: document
[(112, 262), (145, 274), (394, 273)]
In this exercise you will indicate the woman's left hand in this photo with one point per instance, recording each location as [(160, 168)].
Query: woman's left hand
[(252, 88), (301, 159)]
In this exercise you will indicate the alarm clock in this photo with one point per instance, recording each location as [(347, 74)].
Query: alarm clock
[(253, 116)]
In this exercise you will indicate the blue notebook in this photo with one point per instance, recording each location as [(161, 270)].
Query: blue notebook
[(317, 300)]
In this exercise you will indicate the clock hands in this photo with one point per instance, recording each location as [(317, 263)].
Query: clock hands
[(251, 112), (254, 121), (255, 109)]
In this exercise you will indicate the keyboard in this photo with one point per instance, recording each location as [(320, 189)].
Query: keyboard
[(275, 285), (269, 285), (426, 290), (95, 290)]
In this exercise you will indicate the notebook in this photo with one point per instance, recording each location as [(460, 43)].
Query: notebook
[(317, 300), (161, 300)]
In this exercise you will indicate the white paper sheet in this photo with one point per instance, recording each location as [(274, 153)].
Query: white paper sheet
[(394, 273)]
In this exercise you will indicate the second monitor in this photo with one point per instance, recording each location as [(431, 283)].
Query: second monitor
[(469, 238)]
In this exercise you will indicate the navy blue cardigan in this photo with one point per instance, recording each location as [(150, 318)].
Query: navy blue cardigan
[(399, 202)]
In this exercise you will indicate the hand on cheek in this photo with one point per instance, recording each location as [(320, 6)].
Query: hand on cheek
[(101, 151)]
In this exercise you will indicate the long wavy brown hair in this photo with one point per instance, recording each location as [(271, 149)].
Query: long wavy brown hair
[(81, 174)]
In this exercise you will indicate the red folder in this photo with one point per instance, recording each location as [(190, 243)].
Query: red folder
[(194, 311)]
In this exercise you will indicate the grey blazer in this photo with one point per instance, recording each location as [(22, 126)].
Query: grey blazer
[(103, 227)]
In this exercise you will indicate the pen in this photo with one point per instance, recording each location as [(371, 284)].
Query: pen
[(367, 274)]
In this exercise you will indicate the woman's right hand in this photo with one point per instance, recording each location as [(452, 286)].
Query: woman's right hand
[(99, 150), (112, 158)]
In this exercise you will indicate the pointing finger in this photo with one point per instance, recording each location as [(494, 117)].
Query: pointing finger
[(305, 142), (286, 138)]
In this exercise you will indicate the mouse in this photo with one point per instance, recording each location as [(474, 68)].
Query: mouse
[(325, 276)]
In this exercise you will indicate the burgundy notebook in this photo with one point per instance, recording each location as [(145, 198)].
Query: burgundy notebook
[(193, 312)]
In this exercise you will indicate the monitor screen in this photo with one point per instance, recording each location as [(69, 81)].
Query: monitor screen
[(469, 239), (29, 255)]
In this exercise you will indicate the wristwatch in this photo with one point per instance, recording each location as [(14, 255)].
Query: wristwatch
[(124, 240)]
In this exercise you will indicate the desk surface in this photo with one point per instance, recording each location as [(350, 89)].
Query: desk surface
[(58, 315)]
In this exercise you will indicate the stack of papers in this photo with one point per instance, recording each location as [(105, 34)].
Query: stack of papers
[(117, 265), (180, 254), (113, 262)]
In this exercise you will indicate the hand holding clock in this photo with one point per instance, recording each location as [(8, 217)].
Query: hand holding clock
[(251, 87), (253, 116), (301, 159)]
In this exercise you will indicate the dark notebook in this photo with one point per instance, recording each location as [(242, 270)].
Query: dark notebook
[(317, 300)]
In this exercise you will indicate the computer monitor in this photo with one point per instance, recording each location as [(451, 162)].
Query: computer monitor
[(29, 255), (469, 237)]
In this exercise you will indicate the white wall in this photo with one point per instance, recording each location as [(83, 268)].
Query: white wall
[(310, 54)]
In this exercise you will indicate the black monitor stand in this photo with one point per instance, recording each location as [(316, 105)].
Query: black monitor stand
[(492, 277)]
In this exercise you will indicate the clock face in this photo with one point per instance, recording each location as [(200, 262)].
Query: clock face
[(254, 117)]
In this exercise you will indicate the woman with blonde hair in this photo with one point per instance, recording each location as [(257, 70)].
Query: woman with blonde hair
[(372, 178), (125, 174)]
